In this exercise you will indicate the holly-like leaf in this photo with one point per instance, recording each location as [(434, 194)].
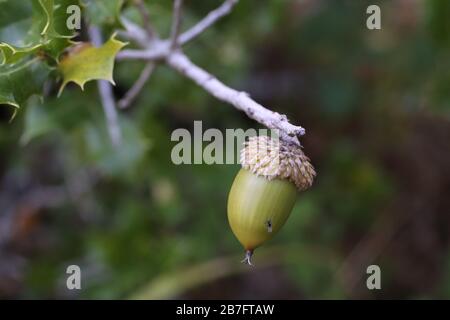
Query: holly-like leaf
[(21, 80), (86, 62), (29, 26)]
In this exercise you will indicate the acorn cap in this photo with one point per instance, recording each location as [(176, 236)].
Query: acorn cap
[(276, 159)]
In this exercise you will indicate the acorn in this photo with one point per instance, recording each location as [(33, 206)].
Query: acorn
[(265, 190)]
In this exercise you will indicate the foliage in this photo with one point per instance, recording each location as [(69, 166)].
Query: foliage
[(375, 104)]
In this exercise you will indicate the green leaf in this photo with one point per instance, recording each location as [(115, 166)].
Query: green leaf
[(86, 62), (58, 115), (15, 21), (29, 31), (21, 80)]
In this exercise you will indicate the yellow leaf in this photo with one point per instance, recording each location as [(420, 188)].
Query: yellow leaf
[(86, 62)]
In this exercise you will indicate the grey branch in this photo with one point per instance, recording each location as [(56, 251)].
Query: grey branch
[(207, 21), (162, 50), (240, 100), (176, 23), (134, 32), (107, 96), (132, 94)]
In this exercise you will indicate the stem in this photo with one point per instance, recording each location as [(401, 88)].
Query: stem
[(248, 257)]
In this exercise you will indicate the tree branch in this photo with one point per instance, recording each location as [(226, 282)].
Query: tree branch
[(145, 18), (207, 21), (132, 94), (155, 50), (240, 100), (134, 32), (107, 97), (162, 50), (159, 49)]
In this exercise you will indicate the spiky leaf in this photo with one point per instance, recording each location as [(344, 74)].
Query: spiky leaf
[(21, 80), (86, 62)]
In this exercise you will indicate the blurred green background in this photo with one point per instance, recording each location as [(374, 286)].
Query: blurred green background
[(376, 107)]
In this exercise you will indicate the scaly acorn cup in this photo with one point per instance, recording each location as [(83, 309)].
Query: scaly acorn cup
[(265, 190)]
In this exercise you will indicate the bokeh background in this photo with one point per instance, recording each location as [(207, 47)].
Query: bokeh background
[(376, 107)]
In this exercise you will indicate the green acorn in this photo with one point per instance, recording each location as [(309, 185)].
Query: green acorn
[(265, 190)]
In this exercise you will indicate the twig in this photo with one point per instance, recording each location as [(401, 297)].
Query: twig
[(134, 32), (107, 97), (179, 282), (132, 94), (158, 49), (240, 100), (176, 23), (370, 247), (206, 22), (162, 50), (34, 200), (145, 18)]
